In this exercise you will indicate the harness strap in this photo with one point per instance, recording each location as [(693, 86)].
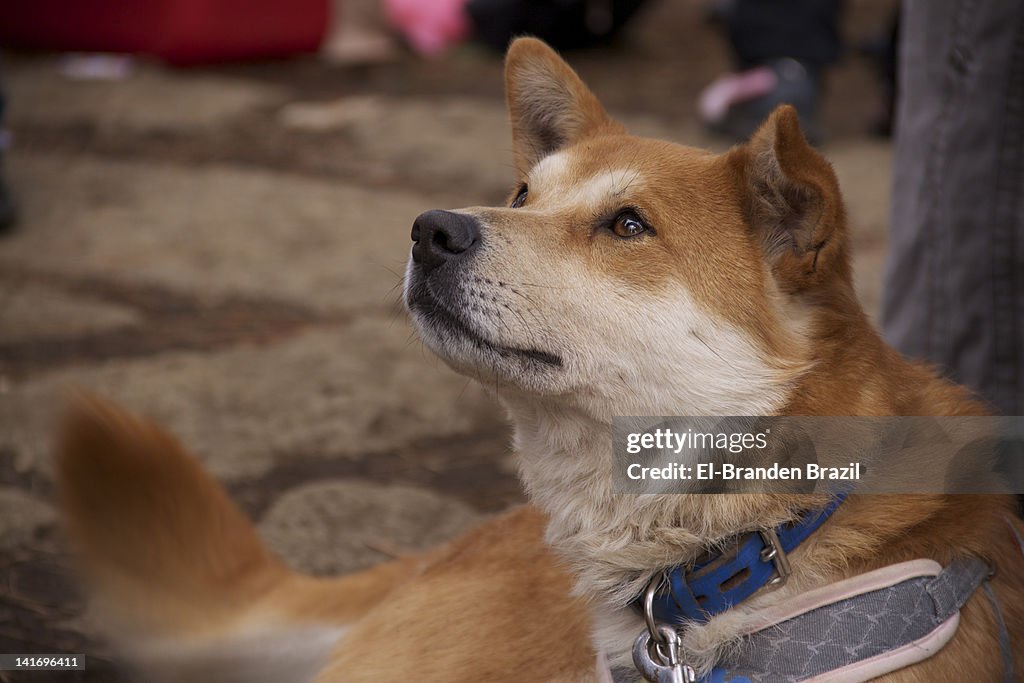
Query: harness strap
[(1005, 647), (955, 584), (861, 635)]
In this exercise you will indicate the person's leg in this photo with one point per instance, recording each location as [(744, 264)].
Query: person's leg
[(954, 289), (7, 213)]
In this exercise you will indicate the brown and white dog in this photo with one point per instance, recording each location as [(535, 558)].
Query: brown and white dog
[(627, 277)]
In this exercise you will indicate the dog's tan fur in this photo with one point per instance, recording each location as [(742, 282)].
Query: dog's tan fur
[(741, 303)]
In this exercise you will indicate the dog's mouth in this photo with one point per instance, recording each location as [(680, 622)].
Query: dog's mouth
[(431, 313)]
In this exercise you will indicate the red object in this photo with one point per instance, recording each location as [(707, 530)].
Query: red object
[(179, 31)]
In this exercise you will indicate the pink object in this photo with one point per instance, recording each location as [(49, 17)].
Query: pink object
[(727, 90), (430, 26)]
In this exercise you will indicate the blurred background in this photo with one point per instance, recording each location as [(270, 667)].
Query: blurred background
[(213, 230)]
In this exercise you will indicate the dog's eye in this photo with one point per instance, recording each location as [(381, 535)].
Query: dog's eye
[(628, 224), (520, 198)]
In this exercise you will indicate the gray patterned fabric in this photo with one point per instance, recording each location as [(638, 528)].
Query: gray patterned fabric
[(855, 629)]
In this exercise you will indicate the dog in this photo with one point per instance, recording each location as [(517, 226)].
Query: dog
[(626, 276)]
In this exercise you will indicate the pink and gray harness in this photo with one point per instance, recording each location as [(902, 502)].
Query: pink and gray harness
[(852, 630)]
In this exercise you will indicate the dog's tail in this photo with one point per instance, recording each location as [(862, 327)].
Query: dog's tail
[(180, 580)]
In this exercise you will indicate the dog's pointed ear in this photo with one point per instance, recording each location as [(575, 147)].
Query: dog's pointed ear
[(792, 203), (549, 105)]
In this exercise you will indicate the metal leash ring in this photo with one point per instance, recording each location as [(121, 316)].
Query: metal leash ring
[(652, 625)]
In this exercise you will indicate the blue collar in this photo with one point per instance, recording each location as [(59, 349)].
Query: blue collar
[(700, 591)]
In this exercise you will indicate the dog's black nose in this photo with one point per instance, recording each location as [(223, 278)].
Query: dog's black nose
[(441, 236)]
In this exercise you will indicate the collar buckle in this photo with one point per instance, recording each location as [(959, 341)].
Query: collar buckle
[(774, 553)]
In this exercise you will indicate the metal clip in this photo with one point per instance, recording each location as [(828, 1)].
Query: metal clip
[(660, 664), (773, 552), (656, 649)]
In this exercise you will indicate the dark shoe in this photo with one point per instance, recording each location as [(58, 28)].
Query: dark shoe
[(736, 104)]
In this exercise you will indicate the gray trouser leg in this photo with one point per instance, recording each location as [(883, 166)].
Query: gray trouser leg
[(954, 282)]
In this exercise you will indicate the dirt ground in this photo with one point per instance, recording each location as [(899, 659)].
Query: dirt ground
[(221, 249)]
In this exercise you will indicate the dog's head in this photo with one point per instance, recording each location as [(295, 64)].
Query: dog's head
[(632, 275)]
